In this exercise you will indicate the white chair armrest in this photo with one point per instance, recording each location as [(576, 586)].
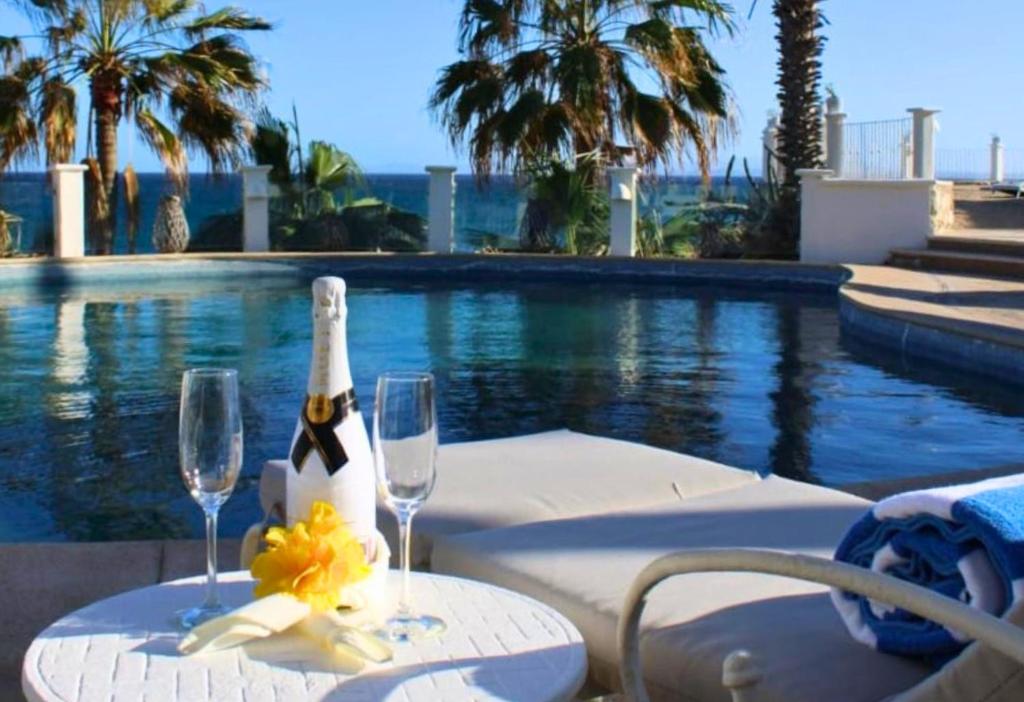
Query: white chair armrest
[(1000, 635)]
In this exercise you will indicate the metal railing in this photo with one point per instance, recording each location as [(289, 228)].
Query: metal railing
[(878, 150), (1014, 164), (963, 164), (977, 164)]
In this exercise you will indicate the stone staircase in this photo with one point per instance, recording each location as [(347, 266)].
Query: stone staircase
[(997, 253)]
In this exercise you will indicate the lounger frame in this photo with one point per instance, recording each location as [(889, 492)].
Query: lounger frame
[(740, 673)]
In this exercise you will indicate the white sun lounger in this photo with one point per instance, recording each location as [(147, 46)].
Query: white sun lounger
[(584, 567), (1015, 189), (539, 477), (990, 670)]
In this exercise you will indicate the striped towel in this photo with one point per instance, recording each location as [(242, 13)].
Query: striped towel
[(964, 541)]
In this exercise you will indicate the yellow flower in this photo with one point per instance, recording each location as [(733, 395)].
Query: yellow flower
[(312, 561)]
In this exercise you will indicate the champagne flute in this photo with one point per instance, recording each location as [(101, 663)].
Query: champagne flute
[(405, 452), (210, 444)]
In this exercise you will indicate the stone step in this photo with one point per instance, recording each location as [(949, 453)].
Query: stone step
[(982, 264), (997, 246)]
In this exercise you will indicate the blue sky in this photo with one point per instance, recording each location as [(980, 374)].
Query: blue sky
[(361, 71)]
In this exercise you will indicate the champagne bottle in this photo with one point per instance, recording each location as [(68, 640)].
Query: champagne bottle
[(330, 454)]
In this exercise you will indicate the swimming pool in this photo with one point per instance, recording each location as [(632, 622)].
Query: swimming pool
[(762, 380)]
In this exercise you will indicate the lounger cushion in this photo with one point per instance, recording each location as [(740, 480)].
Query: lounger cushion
[(583, 567), (977, 675), (555, 475)]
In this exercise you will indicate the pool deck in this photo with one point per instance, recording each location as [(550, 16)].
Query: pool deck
[(972, 323), (989, 308)]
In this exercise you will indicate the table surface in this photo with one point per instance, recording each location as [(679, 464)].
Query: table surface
[(499, 646)]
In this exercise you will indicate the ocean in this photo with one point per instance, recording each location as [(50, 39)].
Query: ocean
[(485, 214)]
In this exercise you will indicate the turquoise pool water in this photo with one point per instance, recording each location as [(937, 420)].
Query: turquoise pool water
[(88, 406)]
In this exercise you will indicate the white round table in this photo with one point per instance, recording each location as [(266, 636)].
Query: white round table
[(499, 646)]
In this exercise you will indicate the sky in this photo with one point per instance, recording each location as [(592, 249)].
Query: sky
[(360, 72)]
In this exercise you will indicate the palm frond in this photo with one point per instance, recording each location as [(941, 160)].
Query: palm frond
[(209, 124), (59, 116), (132, 206), (547, 78), (12, 51), (159, 12), (269, 145), (327, 170), (230, 18), (165, 143), (18, 131)]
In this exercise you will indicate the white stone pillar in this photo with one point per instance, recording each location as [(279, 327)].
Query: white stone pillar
[(68, 181), (998, 169), (441, 209), (256, 208), (923, 136), (835, 118), (622, 180)]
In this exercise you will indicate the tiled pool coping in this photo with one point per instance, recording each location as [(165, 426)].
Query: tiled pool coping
[(131, 269), (907, 311)]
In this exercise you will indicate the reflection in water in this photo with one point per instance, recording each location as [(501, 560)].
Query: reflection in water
[(685, 378), (70, 363), (793, 400), (88, 412)]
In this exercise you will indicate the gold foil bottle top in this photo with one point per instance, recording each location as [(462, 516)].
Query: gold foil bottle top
[(319, 409)]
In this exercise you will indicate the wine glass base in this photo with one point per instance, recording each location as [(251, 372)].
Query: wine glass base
[(191, 618), (406, 628)]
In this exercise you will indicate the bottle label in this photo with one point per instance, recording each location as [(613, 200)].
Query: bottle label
[(320, 418)]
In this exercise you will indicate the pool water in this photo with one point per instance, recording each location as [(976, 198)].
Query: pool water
[(89, 402)]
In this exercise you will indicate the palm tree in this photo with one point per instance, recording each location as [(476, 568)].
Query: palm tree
[(799, 81), (307, 215), (563, 198), (180, 73), (308, 184), (540, 79)]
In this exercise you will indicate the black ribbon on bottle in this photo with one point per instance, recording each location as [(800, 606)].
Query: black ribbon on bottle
[(320, 436)]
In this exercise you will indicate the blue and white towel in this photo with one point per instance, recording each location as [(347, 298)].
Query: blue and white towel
[(965, 541)]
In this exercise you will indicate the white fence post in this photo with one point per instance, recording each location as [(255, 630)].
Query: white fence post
[(824, 138), (441, 209), (998, 168), (770, 147), (907, 157), (834, 119), (923, 136), (68, 210), (622, 183), (256, 209)]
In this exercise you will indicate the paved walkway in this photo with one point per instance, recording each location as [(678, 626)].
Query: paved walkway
[(980, 208), (987, 308), (1007, 235)]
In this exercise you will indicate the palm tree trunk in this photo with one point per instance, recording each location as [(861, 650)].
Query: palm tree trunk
[(800, 48), (106, 102)]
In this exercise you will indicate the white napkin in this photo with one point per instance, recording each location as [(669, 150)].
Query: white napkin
[(256, 620), (280, 614), (330, 631)]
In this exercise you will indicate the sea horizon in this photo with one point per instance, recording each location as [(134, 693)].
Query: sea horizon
[(487, 212)]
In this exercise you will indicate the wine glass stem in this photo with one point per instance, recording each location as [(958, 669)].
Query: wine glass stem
[(211, 559), (404, 541)]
